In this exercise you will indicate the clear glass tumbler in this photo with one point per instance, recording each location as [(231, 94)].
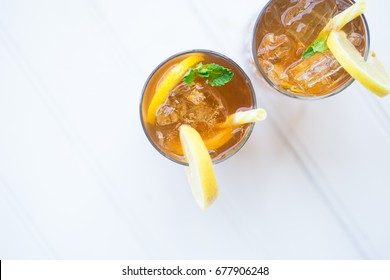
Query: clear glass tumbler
[(200, 106), (284, 29)]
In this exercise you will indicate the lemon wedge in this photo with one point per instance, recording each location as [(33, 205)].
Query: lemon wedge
[(340, 20), (169, 81), (220, 139), (200, 170), (370, 73), (212, 143), (336, 23)]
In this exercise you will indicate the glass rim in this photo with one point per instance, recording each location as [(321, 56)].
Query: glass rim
[(289, 94), (247, 80)]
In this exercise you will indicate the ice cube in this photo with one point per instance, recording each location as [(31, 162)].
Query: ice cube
[(160, 137), (274, 48), (356, 39), (198, 105), (267, 66), (205, 107), (196, 96), (306, 18), (315, 72), (166, 115)]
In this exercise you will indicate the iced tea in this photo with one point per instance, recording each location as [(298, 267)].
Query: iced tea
[(285, 29), (200, 105)]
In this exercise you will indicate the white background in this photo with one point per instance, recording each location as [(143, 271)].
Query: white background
[(79, 180)]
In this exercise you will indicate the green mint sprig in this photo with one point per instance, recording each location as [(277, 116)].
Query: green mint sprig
[(319, 45), (214, 74)]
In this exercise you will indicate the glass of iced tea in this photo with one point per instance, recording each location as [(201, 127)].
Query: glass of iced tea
[(168, 102), (285, 29)]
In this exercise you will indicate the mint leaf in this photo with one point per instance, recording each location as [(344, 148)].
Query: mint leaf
[(189, 78), (202, 70), (319, 45), (220, 76), (309, 52), (214, 74)]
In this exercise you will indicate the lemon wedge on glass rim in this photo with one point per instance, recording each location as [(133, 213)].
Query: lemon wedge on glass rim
[(370, 73), (169, 82), (200, 171)]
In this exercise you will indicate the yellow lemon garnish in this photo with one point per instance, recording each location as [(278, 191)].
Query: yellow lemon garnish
[(370, 73), (168, 82), (200, 170)]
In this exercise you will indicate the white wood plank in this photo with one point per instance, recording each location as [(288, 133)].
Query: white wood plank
[(58, 189)]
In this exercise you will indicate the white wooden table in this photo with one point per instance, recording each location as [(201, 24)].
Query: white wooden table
[(78, 178)]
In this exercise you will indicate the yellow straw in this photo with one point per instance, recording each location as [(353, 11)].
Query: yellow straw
[(244, 117)]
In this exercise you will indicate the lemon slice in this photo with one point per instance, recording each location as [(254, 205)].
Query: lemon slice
[(370, 73), (336, 23), (200, 170), (220, 139), (340, 20), (169, 81), (212, 143)]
